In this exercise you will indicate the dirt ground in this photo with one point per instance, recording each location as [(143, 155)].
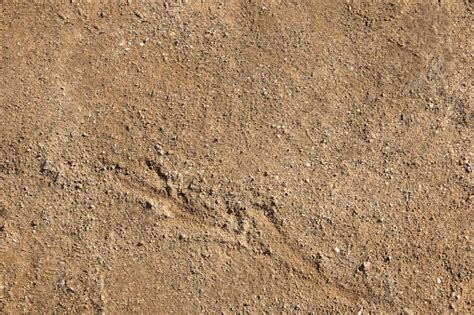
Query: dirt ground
[(310, 156)]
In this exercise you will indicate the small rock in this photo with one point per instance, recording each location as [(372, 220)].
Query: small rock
[(165, 213), (337, 250), (467, 168), (70, 289), (438, 280), (138, 14), (268, 251), (365, 266), (182, 236), (148, 205)]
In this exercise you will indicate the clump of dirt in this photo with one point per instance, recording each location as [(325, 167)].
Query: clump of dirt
[(236, 156)]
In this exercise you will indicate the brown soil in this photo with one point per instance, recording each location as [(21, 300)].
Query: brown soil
[(236, 156)]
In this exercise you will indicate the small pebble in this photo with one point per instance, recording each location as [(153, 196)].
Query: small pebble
[(365, 266), (467, 168), (148, 205)]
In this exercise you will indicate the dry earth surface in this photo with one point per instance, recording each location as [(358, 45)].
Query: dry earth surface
[(236, 156)]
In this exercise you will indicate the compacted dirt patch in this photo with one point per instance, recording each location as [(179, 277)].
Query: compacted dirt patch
[(236, 156)]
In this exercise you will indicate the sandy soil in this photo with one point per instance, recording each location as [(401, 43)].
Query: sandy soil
[(236, 157)]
